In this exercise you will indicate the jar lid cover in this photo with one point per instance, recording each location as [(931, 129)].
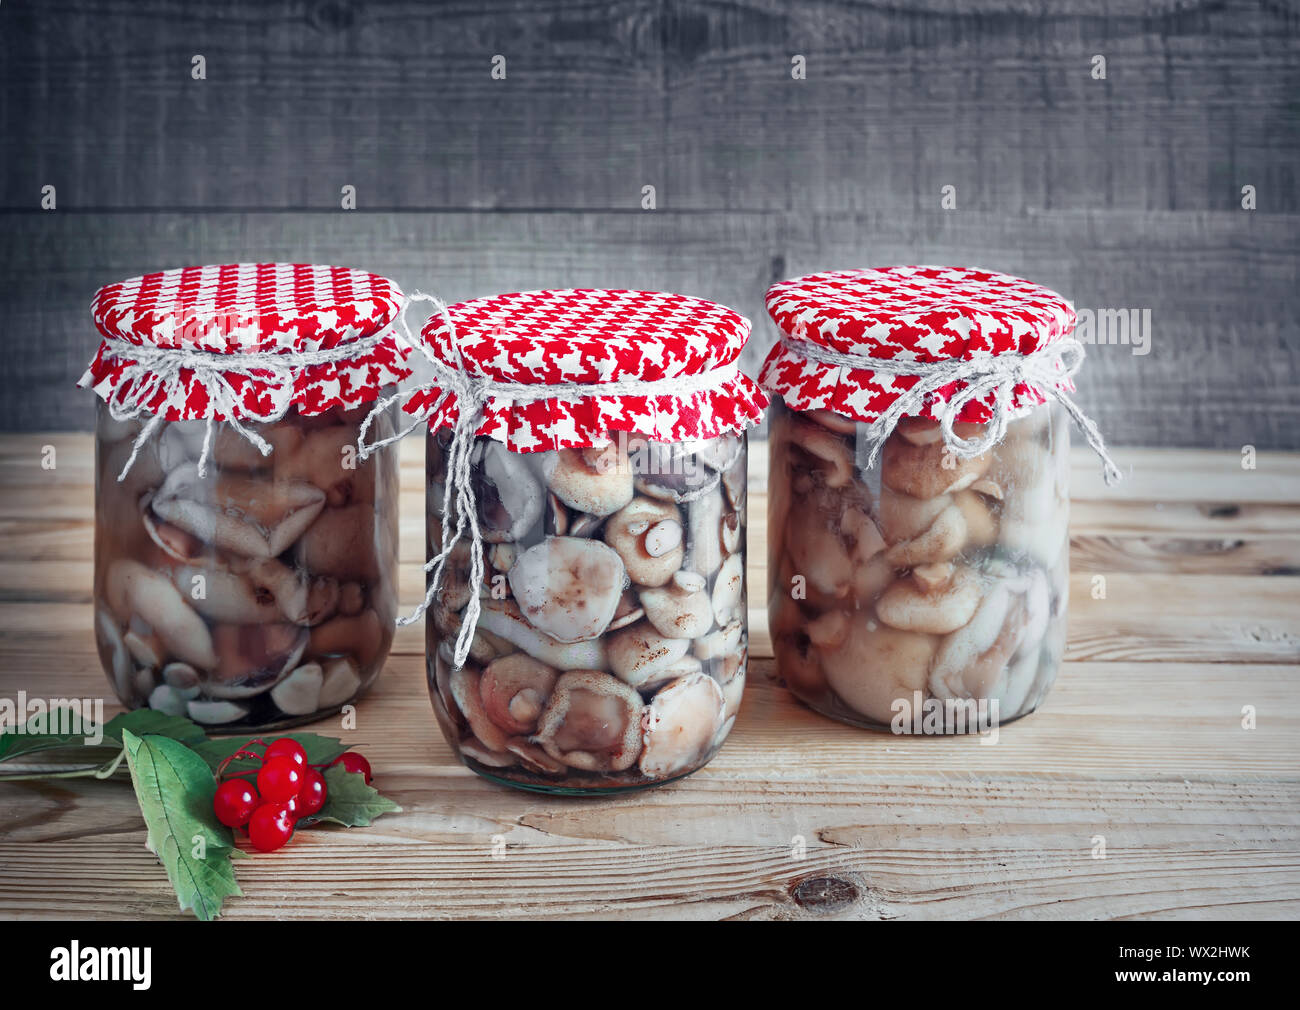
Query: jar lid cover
[(669, 360), (901, 314), (324, 330)]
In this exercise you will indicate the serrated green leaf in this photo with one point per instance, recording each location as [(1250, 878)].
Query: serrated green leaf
[(349, 801), (320, 750), (174, 788), (143, 721)]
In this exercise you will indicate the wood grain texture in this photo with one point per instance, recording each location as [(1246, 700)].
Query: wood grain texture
[(1122, 193), (1140, 742)]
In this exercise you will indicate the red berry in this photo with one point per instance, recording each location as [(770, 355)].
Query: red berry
[(286, 747), (270, 827), (354, 762), (234, 802), (311, 797), (279, 779)]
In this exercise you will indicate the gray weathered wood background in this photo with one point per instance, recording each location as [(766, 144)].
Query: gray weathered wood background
[(1121, 193)]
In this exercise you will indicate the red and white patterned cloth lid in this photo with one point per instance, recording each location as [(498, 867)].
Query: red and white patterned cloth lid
[(272, 309), (906, 313), (594, 336)]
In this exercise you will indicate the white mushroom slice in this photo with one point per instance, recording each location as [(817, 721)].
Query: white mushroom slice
[(503, 618), (818, 553), (250, 518), (145, 646), (253, 658), (533, 757), (732, 679), (663, 537), (224, 597), (215, 713), (907, 605), (870, 579), (474, 750), (734, 482), (342, 544), (640, 656), (144, 681), (945, 537), (902, 517), (729, 589), (627, 612), (1012, 690), (592, 722), (568, 588), (927, 471), (682, 609), (173, 540), (320, 458), (181, 676), (981, 526), (132, 589), (828, 631), (955, 664), (502, 556), (627, 530), (598, 482), (730, 532), (679, 726), (877, 666), (166, 699), (340, 683), (509, 497), (704, 534), (467, 693), (717, 453), (719, 642), (514, 690), (299, 693), (834, 455)]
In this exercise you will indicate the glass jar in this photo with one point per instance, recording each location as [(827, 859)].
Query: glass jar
[(927, 593), (259, 595), (610, 647)]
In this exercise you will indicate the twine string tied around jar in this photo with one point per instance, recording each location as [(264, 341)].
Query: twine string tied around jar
[(147, 371), (472, 392), (997, 374)]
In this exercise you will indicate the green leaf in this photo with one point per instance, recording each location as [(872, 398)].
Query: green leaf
[(174, 788), (349, 801), (147, 721), (34, 738), (320, 750)]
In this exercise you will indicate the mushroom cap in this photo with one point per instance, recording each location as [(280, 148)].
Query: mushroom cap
[(514, 691), (877, 665), (598, 482), (592, 722), (677, 612), (908, 606), (941, 540), (640, 655), (132, 590), (504, 619), (568, 587), (509, 497), (680, 724), (729, 589), (926, 471), (626, 533)]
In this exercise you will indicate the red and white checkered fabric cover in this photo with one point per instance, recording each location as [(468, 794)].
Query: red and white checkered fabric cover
[(255, 308), (591, 336), (905, 313)]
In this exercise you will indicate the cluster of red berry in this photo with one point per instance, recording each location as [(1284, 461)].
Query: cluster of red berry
[(287, 789)]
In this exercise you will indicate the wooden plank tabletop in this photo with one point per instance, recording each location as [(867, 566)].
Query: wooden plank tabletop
[(1140, 743)]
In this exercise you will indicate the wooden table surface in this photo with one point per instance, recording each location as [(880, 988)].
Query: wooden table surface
[(1141, 743)]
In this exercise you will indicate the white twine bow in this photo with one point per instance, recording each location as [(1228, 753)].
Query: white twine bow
[(472, 392), (998, 374), (148, 370)]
